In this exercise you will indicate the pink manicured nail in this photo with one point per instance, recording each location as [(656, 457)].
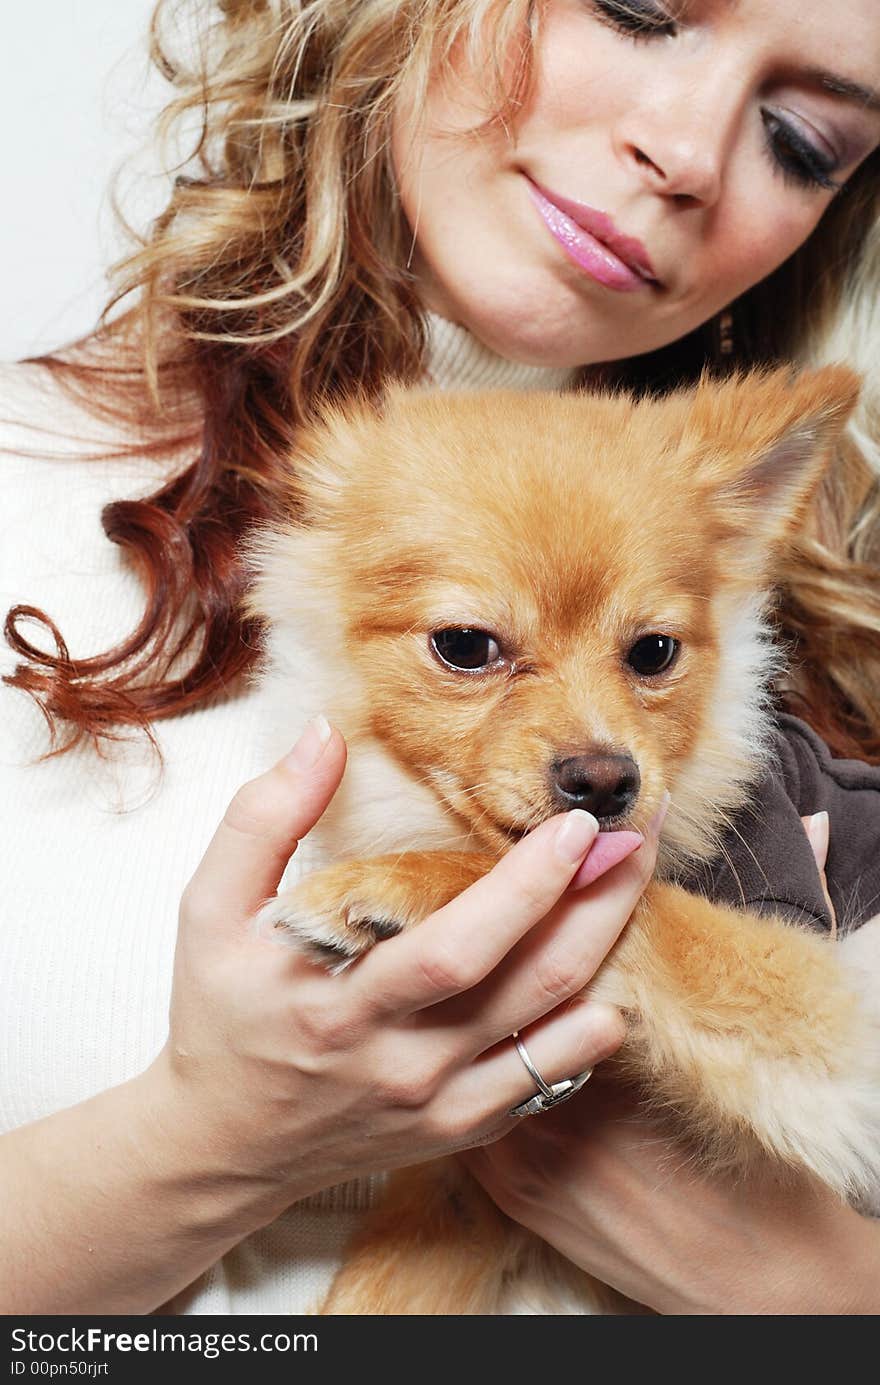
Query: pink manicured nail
[(818, 832), (577, 830), (311, 744), (659, 817), (609, 849)]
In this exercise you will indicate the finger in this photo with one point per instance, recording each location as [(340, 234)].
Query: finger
[(572, 1040), (259, 833), (554, 961), (460, 944), (818, 831)]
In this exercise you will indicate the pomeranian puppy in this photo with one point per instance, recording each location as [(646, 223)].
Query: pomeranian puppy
[(512, 604)]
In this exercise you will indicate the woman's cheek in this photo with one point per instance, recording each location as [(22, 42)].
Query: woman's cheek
[(748, 248)]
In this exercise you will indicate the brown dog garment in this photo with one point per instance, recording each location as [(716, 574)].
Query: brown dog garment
[(767, 864)]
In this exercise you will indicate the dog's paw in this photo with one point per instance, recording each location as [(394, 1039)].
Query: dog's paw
[(338, 914)]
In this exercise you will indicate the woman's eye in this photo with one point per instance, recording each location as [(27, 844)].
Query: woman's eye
[(652, 654), (637, 18), (464, 648), (799, 160)]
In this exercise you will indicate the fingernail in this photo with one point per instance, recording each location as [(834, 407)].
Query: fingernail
[(578, 831), (818, 832), (610, 849), (659, 817), (311, 744)]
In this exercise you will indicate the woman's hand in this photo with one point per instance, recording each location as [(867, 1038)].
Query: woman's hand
[(300, 1079), (616, 1194), (618, 1197), (279, 1079), (817, 828)]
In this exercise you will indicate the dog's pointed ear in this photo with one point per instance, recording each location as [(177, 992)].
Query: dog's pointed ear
[(328, 454), (766, 441)]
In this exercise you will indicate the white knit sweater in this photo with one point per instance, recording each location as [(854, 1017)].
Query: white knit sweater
[(94, 856)]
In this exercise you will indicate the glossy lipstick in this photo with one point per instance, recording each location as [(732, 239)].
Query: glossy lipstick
[(593, 243)]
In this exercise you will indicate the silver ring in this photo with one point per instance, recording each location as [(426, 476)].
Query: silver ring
[(548, 1094)]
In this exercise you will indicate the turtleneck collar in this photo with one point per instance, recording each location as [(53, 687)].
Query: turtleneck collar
[(457, 361)]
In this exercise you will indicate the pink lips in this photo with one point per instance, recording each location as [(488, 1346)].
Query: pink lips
[(592, 241)]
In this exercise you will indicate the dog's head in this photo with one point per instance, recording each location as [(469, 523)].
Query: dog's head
[(554, 601)]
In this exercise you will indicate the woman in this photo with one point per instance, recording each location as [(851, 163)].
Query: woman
[(391, 188)]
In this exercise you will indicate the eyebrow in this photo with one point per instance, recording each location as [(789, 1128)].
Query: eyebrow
[(842, 86)]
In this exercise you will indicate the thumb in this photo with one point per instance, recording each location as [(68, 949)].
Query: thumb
[(817, 830), (262, 827), (818, 834)]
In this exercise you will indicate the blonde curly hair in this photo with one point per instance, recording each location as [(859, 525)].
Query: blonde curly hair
[(278, 275)]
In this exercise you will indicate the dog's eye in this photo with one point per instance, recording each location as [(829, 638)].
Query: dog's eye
[(652, 654), (465, 648)]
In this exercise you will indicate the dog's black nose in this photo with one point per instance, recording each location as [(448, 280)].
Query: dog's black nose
[(605, 785)]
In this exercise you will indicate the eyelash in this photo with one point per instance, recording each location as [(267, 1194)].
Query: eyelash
[(792, 156), (636, 19), (795, 157)]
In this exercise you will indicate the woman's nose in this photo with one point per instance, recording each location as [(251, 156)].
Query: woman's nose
[(679, 147), (678, 166)]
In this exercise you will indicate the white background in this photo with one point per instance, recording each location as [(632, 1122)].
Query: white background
[(76, 98)]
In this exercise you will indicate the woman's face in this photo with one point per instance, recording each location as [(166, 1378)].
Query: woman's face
[(671, 154)]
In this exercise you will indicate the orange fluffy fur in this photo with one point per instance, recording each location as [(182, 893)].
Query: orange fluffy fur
[(568, 526)]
